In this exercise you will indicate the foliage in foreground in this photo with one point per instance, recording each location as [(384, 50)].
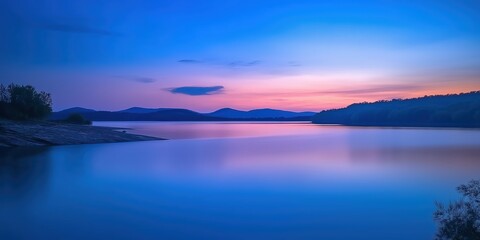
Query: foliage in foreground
[(18, 102), (460, 220)]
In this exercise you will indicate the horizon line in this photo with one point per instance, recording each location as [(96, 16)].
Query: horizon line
[(265, 108)]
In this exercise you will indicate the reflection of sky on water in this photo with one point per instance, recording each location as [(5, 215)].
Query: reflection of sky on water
[(189, 130), (334, 182)]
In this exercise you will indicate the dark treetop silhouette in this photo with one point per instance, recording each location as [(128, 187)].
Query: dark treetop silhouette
[(460, 219), (18, 102)]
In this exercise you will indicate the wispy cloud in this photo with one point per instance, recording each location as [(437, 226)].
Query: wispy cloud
[(58, 25), (293, 64), (244, 63), (144, 80), (232, 64), (375, 90), (196, 90), (76, 28), (381, 91), (189, 61), (137, 79)]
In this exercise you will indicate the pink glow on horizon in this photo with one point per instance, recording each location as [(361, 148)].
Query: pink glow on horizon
[(244, 91), (296, 93)]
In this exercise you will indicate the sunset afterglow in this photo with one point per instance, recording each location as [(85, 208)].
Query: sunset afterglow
[(300, 56)]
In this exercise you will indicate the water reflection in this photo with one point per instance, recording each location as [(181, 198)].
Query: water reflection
[(24, 173), (193, 130), (299, 184)]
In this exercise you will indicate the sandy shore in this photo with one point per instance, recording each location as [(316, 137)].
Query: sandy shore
[(44, 133)]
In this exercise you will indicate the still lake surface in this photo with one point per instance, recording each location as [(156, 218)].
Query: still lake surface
[(238, 181)]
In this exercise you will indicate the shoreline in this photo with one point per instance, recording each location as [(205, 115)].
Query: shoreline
[(47, 133), (433, 126)]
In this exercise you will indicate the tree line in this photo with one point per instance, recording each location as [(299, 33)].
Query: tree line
[(19, 102), (452, 110)]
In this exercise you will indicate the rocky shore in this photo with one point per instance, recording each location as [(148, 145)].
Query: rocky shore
[(45, 133)]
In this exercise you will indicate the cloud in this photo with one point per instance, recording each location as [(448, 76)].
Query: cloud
[(144, 80), (58, 25), (76, 28), (243, 63), (189, 61), (138, 79), (233, 64), (294, 64), (375, 90), (197, 91)]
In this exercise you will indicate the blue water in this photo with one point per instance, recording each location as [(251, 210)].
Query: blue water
[(238, 181)]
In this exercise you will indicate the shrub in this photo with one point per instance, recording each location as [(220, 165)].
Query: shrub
[(460, 219), (76, 118)]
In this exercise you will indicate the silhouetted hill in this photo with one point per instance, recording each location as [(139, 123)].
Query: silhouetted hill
[(233, 113), (67, 112), (77, 110), (161, 115), (453, 110), (258, 113), (169, 114), (142, 110)]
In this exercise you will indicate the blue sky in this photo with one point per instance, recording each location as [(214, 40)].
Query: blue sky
[(299, 55)]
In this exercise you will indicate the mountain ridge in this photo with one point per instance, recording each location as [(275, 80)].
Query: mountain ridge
[(258, 113), (178, 114)]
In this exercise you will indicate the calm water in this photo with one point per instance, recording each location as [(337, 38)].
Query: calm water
[(238, 181)]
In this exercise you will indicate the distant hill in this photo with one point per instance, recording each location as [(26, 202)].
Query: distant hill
[(161, 115), (67, 112), (142, 110), (453, 110), (170, 114), (258, 113)]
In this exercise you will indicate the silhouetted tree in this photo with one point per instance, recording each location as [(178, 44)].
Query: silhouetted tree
[(3, 101), (3, 94), (24, 102), (460, 220)]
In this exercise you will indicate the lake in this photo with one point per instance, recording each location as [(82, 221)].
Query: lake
[(238, 181)]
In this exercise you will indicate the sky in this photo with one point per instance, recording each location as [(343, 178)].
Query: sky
[(204, 55)]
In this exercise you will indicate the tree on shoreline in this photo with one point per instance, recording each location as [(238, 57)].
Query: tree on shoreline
[(19, 102), (460, 219)]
